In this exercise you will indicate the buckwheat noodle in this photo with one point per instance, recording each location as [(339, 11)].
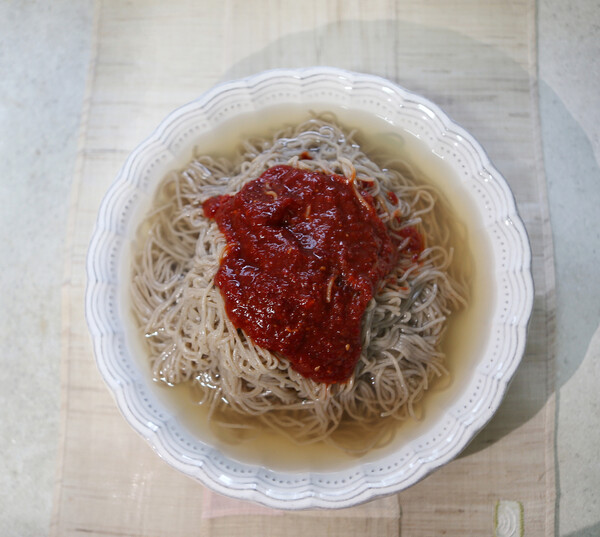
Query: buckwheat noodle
[(191, 340)]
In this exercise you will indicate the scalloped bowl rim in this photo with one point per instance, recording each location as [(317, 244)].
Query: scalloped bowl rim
[(203, 462)]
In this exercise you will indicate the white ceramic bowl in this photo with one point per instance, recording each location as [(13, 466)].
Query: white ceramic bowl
[(453, 414)]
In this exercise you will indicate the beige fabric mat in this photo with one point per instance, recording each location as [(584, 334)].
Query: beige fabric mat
[(475, 59)]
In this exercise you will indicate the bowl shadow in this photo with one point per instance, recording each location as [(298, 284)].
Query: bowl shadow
[(466, 79)]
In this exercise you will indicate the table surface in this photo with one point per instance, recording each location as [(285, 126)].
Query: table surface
[(41, 93)]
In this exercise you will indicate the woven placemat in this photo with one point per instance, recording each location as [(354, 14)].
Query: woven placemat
[(477, 60)]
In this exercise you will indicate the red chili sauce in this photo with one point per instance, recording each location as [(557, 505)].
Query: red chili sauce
[(415, 243), (303, 259)]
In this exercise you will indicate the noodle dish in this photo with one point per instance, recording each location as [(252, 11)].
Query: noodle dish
[(308, 288)]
